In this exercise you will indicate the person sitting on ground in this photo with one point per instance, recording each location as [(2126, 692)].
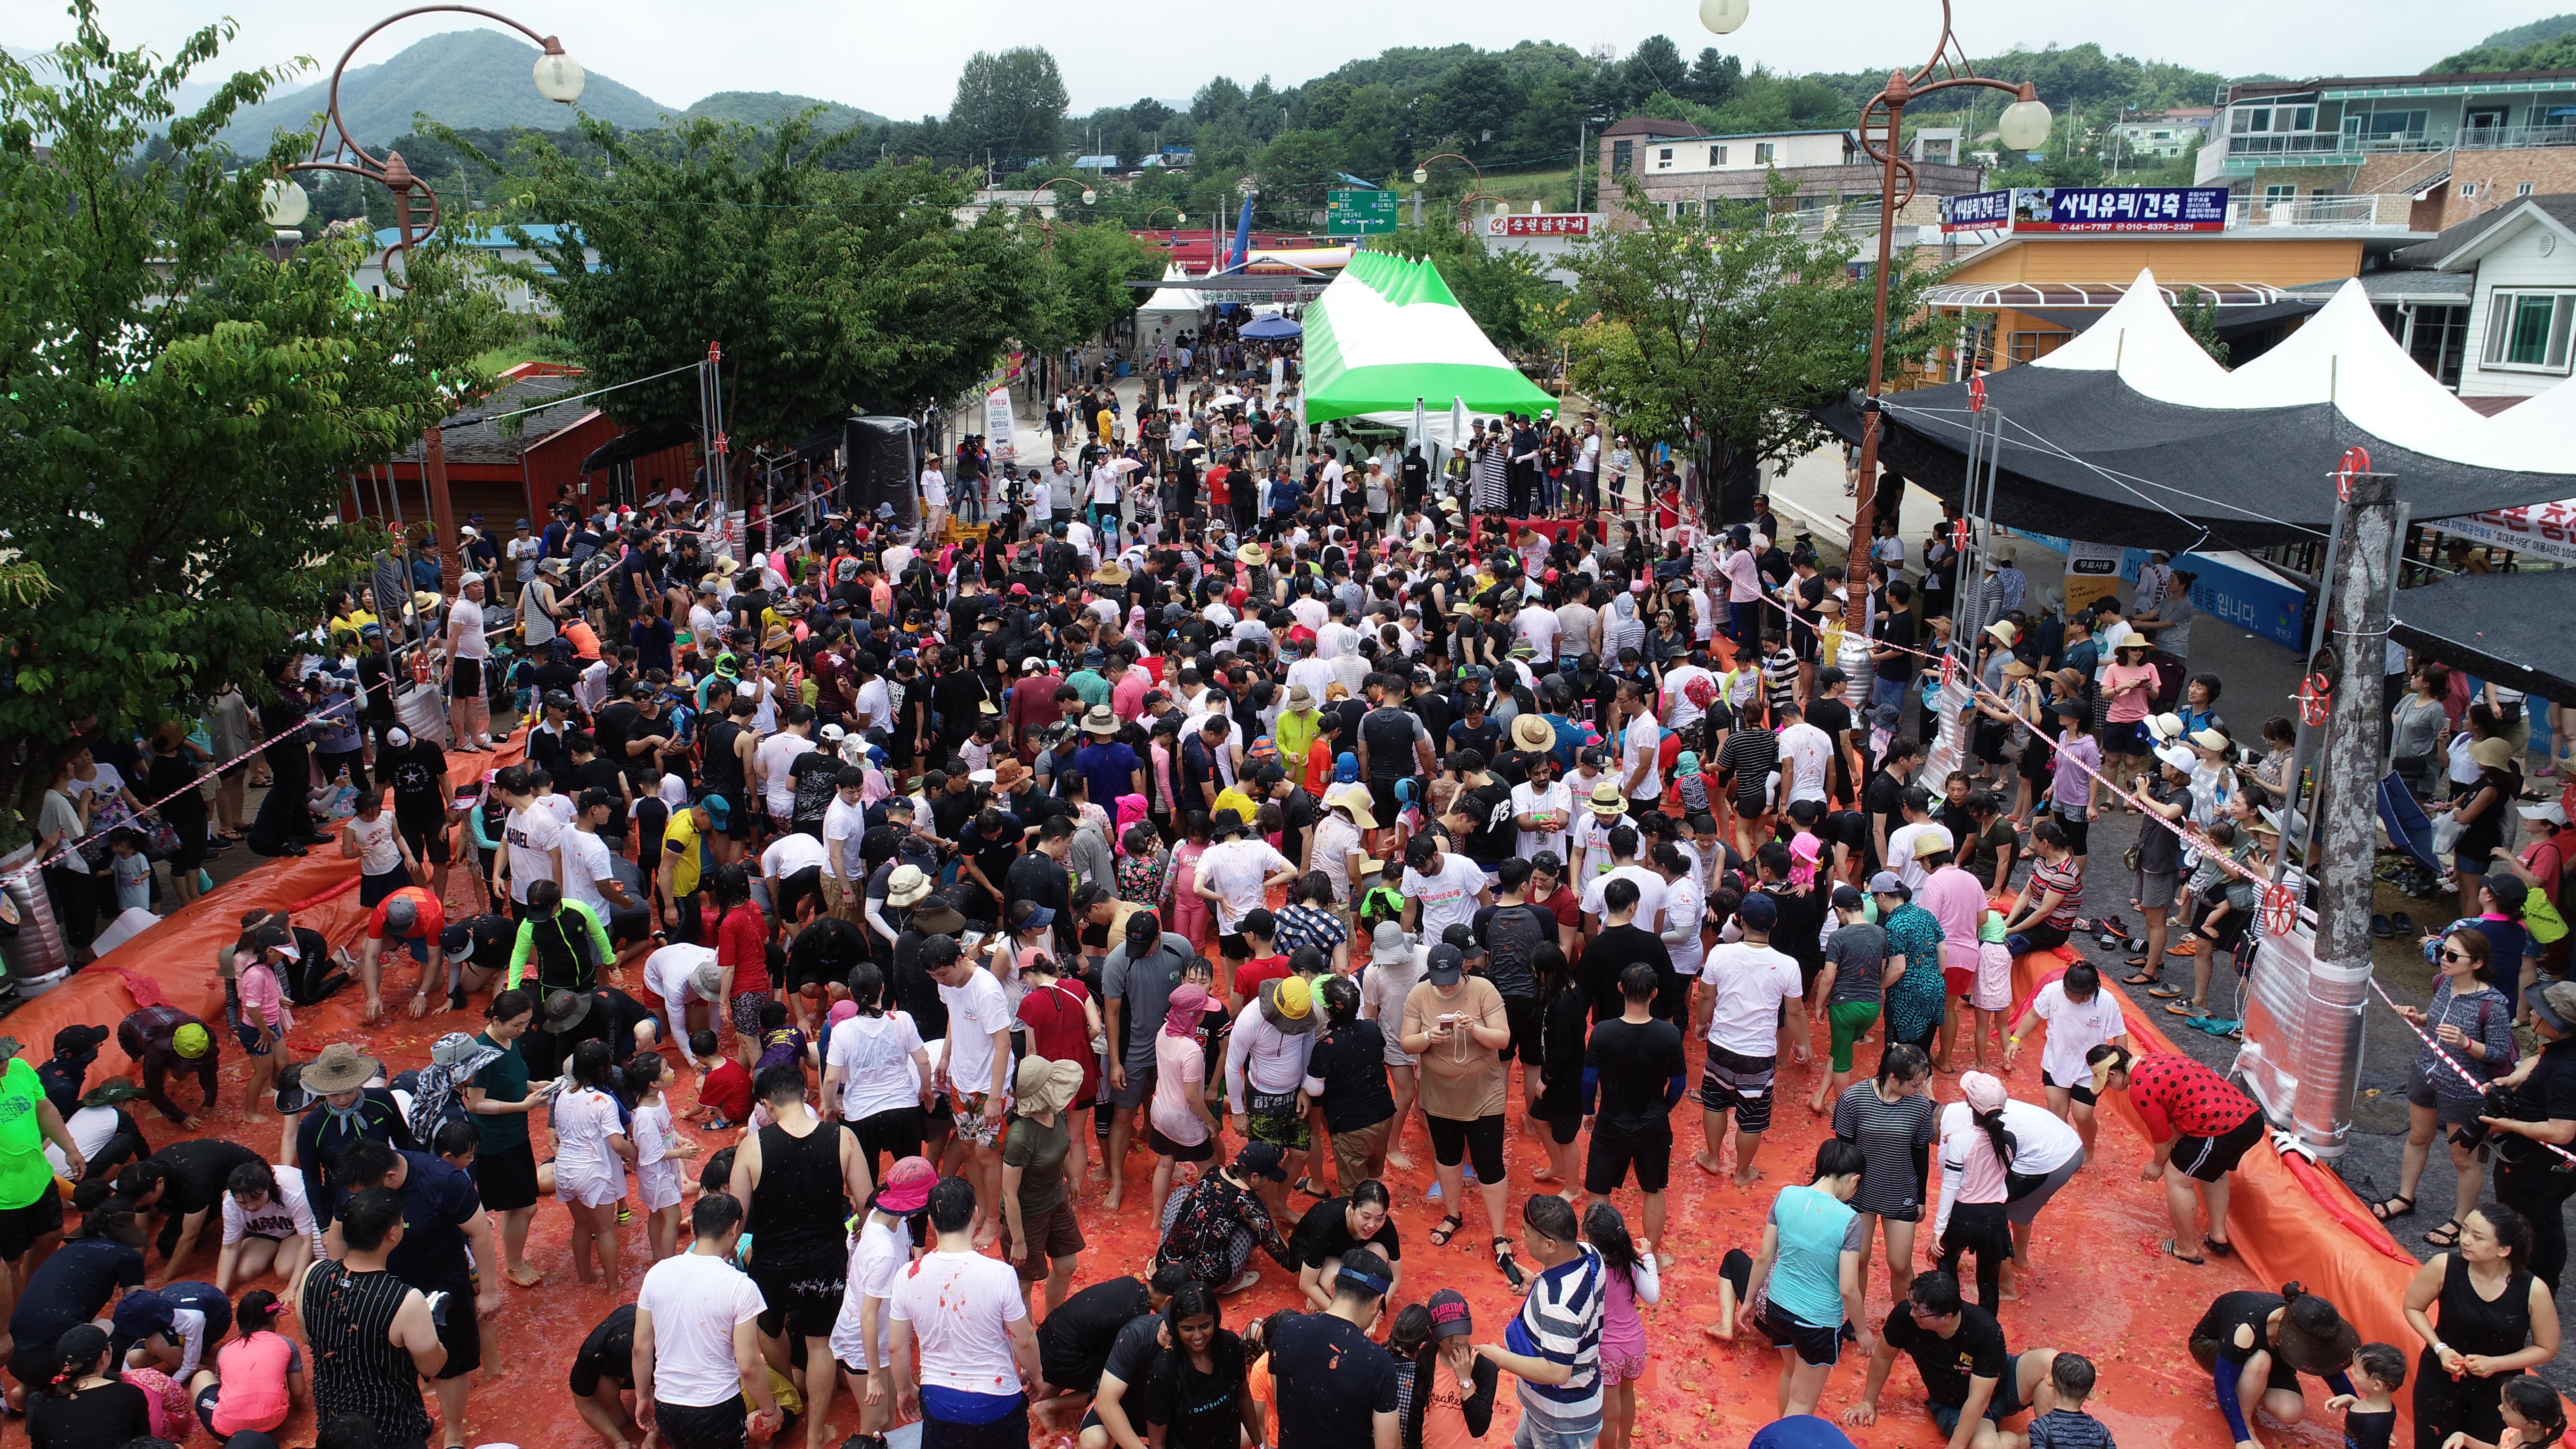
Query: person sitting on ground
[(2255, 1345), (1075, 1340), (1971, 1383), (1211, 1229)]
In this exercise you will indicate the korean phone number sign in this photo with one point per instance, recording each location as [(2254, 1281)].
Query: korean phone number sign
[(2088, 208)]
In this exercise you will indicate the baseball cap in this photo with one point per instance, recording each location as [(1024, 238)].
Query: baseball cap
[(716, 808), (457, 942), (1758, 913), (1447, 964), (1846, 898), (1449, 1315), (1262, 1159), (74, 1039), (2556, 1003), (2549, 810), (1885, 883), (398, 737)]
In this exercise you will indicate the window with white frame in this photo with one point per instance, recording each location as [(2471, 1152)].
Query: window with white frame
[(1663, 158), (2528, 331), (1763, 152), (2522, 188), (1717, 155)]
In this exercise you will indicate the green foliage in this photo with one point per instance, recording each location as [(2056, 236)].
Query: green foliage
[(1519, 309), (771, 109), (177, 410), (1009, 106), (2552, 51), (2197, 311), (829, 289), (1087, 269), (1740, 322)]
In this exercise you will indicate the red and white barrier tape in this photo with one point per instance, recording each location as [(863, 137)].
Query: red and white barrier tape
[(2475, 1083)]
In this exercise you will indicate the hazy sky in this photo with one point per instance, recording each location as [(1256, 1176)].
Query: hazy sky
[(901, 59)]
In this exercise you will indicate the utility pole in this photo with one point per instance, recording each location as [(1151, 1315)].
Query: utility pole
[(2356, 596), (442, 513)]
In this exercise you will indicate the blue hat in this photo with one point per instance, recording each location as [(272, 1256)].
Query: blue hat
[(143, 1312), (1346, 768), (1038, 916), (716, 808), (1759, 912)]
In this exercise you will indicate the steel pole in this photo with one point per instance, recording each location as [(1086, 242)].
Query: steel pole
[(1865, 498)]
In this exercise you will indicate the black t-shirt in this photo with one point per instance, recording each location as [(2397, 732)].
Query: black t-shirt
[(1896, 631), (817, 775), (1296, 817), (1038, 877), (825, 952), (438, 1201), (1634, 1061), (1482, 736), (69, 1288), (1199, 1408), (609, 1353), (199, 1168), (1883, 795), (1832, 716), (494, 936), (116, 1413), (1511, 934), (418, 773), (618, 723), (1081, 1330), (1331, 1380), (1613, 951), (624, 1013), (1325, 1232), (1946, 1364), (1495, 838), (2548, 1094), (1131, 1358), (1349, 1058), (1389, 734)]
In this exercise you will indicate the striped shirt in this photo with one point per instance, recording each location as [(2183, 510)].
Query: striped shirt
[(1897, 1139), (357, 1367), (1560, 1321)]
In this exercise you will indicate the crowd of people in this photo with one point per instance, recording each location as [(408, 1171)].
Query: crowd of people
[(1142, 844)]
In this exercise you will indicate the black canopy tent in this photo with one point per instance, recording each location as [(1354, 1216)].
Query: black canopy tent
[(2510, 629), (2085, 455)]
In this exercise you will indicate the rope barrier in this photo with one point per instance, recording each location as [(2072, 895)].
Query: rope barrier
[(2475, 1083)]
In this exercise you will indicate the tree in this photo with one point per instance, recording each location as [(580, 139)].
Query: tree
[(829, 289), (1732, 327), (1011, 105), (178, 410), (1084, 285), (1473, 102), (1714, 77), (2197, 311)]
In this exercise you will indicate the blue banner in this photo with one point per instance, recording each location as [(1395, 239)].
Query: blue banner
[(2088, 208)]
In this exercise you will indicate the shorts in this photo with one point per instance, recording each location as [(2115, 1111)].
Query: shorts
[(1742, 1084), (2082, 1091), (745, 1012), (795, 888), (1612, 1156), (1818, 1346), (1356, 1152), (1479, 1142), (2022, 1211), (1621, 1367), (1178, 1151), (2078, 830), (2005, 1402), (2466, 863), (594, 1192), (658, 1183), (2210, 1158), (20, 1227), (506, 1177), (373, 890), (966, 1117), (428, 842), (1850, 1020), (1053, 1235), (804, 1295), (1010, 1431), (1273, 1117), (460, 1335), (737, 816), (1521, 1014), (714, 1426), (1233, 947), (465, 679), (249, 1039), (893, 1134), (2124, 737), (2449, 1109), (2157, 889), (1139, 1089)]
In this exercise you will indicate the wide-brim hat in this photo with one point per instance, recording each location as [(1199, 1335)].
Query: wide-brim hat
[(339, 1067), (1356, 799), (2015, 669), (1289, 1004), (1100, 720), (1252, 553), (2491, 754), (1224, 823), (1532, 733), (1046, 1086), (2311, 1353), (1110, 574), (565, 1009), (2209, 739), (2005, 630), (2165, 727), (906, 886), (1607, 799), (940, 919)]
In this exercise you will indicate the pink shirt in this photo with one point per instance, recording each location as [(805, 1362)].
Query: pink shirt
[(261, 994), (1127, 696), (1743, 580), (1955, 900)]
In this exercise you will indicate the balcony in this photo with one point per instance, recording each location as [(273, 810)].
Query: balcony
[(2326, 148), (2386, 212)]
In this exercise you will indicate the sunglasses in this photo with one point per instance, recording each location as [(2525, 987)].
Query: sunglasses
[(2449, 954)]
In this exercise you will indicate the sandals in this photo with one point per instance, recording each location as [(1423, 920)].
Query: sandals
[(2167, 993), (2185, 1008), (2445, 1236), (2383, 1210), (2182, 1257), (1445, 1229), (2139, 974), (2218, 1247), (1307, 1186)]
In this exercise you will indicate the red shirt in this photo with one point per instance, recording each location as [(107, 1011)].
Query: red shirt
[(728, 1090), (1060, 1031), (1033, 701), (2177, 1096), (742, 942), (433, 914), (1252, 975), (1319, 768), (1216, 490)]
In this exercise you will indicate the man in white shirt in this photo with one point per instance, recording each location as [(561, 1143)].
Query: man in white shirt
[(1679, 708), (1806, 756), (1237, 873), (1920, 835), (1536, 626), (975, 1071), (469, 714), (934, 498), (589, 873), (1442, 888), (697, 1337), (1543, 808), (689, 981), (1743, 987), (1640, 743), (775, 760), (1620, 844), (965, 1312), (1084, 541), (1041, 498), (529, 835)]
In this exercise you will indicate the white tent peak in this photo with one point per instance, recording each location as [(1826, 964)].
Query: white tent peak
[(2530, 437), (2140, 338), (2344, 355)]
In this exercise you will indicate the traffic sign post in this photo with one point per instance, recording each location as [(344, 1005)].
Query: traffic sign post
[(1352, 211)]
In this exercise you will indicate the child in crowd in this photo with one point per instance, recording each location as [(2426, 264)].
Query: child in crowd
[(658, 1152), (132, 870), (724, 1091), (2534, 1417), (2370, 1417), (2061, 1422)]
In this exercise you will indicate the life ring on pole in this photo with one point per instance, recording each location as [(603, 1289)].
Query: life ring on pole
[(2316, 697), (1976, 392), (2355, 460)]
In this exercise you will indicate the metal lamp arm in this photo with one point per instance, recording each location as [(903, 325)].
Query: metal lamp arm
[(550, 44), (1893, 100)]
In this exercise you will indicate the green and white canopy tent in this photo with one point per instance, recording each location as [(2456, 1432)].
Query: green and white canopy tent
[(1387, 335)]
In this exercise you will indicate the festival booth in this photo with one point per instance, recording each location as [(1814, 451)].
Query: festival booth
[(1171, 309), (1387, 337)]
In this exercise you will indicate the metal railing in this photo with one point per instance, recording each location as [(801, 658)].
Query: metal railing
[(2326, 144), (2384, 211)]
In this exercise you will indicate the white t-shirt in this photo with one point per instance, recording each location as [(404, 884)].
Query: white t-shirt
[(379, 848), (1683, 906), (879, 1253), (1677, 705), (1900, 852), (1539, 627), (846, 825), (1237, 870), (874, 1054), (976, 1010), (790, 853), (2074, 1030), (696, 1302), (1555, 802), (92, 1128), (1750, 982), (667, 971), (875, 708), (775, 754), (961, 1307), (1591, 835), (465, 626), (1809, 756), (286, 1213), (1651, 890), (934, 488), (1638, 744), (584, 1120), (586, 862), (1447, 899), (530, 835)]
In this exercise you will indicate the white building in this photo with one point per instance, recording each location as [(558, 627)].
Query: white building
[(2520, 318), (495, 246), (1543, 236)]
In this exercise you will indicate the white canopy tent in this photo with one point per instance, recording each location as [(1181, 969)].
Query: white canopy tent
[(1173, 309)]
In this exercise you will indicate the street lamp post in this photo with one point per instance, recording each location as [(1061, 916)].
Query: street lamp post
[(559, 78), (1422, 177), (2025, 123)]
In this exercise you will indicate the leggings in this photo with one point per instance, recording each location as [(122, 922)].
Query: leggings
[(1479, 1141), (1979, 1228), (895, 1133)]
